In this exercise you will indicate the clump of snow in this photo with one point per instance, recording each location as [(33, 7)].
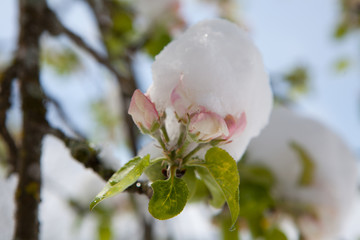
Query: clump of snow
[(333, 189), (222, 71)]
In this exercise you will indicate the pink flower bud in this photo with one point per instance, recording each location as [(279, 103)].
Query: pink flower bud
[(207, 126), (143, 112), (182, 103), (235, 126)]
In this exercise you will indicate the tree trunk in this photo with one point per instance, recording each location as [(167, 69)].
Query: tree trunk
[(28, 190)]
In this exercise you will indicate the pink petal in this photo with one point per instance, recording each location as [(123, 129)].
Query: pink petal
[(207, 125), (235, 126), (143, 111)]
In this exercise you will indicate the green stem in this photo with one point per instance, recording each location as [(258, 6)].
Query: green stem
[(162, 144), (173, 171), (195, 150), (166, 136), (183, 135)]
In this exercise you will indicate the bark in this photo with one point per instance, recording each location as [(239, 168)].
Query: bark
[(27, 195), (6, 80)]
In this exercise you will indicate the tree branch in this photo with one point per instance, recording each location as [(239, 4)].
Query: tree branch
[(88, 156), (56, 28), (64, 117), (82, 152), (6, 80), (103, 12)]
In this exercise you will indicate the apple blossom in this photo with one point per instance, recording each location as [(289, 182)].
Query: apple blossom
[(332, 189), (143, 112), (211, 90), (207, 126), (214, 67)]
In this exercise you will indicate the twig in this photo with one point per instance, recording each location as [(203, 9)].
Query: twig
[(6, 80), (103, 13), (82, 152), (88, 156), (64, 117), (57, 28)]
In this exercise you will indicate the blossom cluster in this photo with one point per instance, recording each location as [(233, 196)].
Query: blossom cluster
[(213, 81), (323, 201)]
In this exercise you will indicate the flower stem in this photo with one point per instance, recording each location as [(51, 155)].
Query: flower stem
[(195, 150), (183, 135), (161, 142), (166, 136)]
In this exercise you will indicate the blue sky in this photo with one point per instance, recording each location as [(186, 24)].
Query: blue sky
[(300, 32)]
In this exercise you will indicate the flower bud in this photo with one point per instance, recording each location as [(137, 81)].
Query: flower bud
[(207, 126), (215, 67), (143, 112)]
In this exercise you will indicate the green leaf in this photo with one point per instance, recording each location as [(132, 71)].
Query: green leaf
[(169, 198), (222, 168), (306, 177), (275, 234), (218, 197), (154, 171), (197, 189), (122, 179)]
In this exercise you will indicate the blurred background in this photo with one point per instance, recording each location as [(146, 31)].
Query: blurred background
[(90, 69)]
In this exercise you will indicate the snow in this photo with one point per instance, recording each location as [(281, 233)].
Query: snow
[(333, 190), (222, 71)]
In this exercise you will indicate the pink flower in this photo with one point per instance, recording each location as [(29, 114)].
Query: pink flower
[(143, 112), (235, 126), (182, 103), (207, 126)]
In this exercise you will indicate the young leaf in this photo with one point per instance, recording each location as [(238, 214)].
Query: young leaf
[(122, 179), (197, 189), (307, 174), (218, 198), (154, 170), (169, 198), (222, 168)]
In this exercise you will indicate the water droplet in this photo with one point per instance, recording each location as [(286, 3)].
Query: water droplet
[(112, 182)]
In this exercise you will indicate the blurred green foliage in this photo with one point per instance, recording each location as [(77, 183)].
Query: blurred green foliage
[(103, 214), (121, 32), (349, 19), (63, 59), (103, 115), (342, 64), (298, 78), (308, 166), (256, 201), (104, 223), (160, 37)]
